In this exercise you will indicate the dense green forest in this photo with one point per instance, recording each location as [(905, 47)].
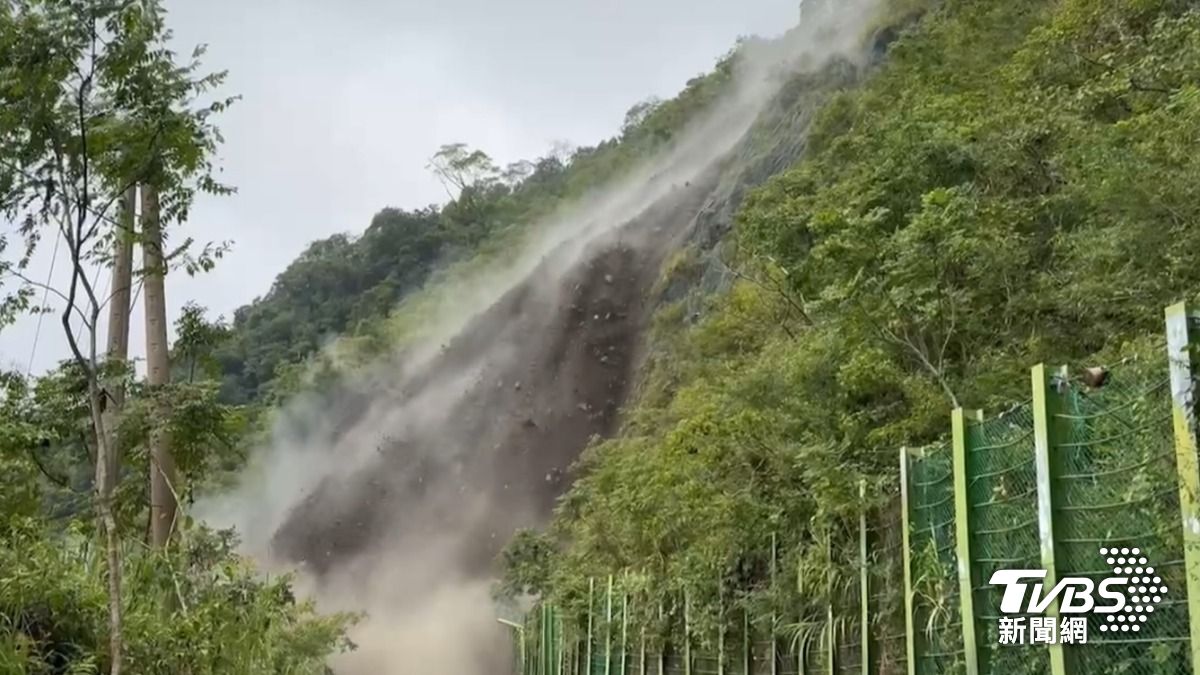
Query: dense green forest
[(349, 286), (81, 581), (1015, 182)]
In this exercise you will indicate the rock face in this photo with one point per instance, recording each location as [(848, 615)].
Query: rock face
[(534, 379)]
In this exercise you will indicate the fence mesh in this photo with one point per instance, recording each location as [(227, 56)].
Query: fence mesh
[(1002, 498), (1119, 491), (934, 562), (1114, 487), (886, 564)]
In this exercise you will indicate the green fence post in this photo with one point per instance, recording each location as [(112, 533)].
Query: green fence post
[(624, 629), (864, 582), (687, 634), (608, 627), (830, 643), (746, 661), (528, 657), (720, 625), (1181, 323), (556, 627), (963, 530), (544, 640), (1048, 436), (587, 658), (642, 660), (662, 650), (910, 597), (774, 616), (801, 646), (831, 638)]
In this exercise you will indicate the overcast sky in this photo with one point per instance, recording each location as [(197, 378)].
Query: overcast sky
[(345, 101)]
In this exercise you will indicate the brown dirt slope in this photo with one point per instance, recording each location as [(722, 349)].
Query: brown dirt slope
[(543, 371)]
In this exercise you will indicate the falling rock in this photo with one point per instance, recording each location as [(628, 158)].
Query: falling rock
[(608, 278)]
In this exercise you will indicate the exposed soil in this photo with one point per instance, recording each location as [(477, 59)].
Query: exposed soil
[(546, 368)]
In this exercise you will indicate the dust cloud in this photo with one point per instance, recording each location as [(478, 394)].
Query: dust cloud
[(392, 490)]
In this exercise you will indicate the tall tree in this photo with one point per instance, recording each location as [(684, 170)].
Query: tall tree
[(91, 103), (118, 326), (163, 483)]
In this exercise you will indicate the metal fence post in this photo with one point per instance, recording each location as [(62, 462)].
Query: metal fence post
[(746, 662), (662, 650), (608, 627), (642, 649), (963, 530), (720, 625), (588, 647), (774, 616), (1181, 323), (624, 630), (831, 639), (801, 645), (687, 634), (864, 583), (910, 619), (1048, 435), (543, 666)]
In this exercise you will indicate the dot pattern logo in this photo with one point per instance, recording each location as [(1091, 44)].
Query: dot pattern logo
[(1145, 589)]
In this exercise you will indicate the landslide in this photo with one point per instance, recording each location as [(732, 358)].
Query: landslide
[(542, 372)]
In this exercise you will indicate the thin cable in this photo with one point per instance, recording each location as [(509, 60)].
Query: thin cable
[(37, 333)]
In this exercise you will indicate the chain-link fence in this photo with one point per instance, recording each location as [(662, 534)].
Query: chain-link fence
[(1084, 480), (936, 622), (1119, 491), (1003, 511)]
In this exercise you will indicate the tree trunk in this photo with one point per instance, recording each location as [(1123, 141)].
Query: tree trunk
[(163, 485), (118, 330), (108, 523)]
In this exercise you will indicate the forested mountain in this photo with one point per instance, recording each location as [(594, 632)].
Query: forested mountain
[(763, 290), (1014, 184), (348, 284)]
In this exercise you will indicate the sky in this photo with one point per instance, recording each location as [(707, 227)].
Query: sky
[(344, 102)]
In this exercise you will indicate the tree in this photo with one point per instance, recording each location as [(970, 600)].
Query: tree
[(118, 326), (638, 114), (164, 484), (94, 103), (461, 169)]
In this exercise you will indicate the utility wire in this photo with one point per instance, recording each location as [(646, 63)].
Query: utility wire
[(37, 333)]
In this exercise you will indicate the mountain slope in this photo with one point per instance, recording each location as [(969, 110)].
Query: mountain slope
[(1009, 187), (396, 483)]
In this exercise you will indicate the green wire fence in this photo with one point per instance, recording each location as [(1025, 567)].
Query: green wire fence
[(1093, 461)]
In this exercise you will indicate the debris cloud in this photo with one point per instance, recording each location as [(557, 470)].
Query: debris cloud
[(393, 492)]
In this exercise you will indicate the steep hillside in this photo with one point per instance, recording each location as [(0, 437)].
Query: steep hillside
[(347, 286), (439, 432), (1011, 186)]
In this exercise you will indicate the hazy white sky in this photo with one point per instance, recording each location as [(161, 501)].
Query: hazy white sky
[(344, 102)]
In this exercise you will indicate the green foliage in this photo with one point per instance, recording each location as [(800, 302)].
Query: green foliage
[(93, 102), (526, 564), (196, 608), (227, 617), (377, 289), (1010, 186)]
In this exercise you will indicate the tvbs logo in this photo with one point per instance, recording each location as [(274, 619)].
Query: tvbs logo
[(1121, 603)]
